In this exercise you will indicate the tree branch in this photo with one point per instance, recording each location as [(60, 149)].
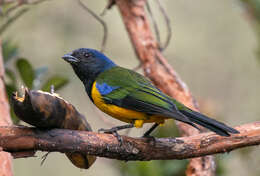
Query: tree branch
[(21, 139), (160, 72), (5, 119)]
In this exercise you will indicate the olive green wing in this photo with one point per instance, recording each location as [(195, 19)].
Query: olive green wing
[(128, 89)]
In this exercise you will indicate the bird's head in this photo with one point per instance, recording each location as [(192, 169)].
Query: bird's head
[(88, 63)]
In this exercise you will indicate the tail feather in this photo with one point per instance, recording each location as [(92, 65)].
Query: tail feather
[(211, 124)]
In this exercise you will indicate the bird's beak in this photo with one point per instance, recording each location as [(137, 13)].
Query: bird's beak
[(69, 58)]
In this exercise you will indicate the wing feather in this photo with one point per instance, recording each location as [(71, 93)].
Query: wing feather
[(137, 93)]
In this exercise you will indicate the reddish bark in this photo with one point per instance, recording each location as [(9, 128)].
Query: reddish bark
[(5, 119)]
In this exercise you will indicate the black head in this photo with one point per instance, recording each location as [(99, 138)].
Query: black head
[(88, 64)]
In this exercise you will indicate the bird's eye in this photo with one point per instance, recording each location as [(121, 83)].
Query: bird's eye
[(86, 54)]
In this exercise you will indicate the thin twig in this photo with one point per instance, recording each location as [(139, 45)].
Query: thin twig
[(18, 4), (100, 20), (12, 19), (155, 26), (18, 14), (168, 25), (109, 5), (12, 9)]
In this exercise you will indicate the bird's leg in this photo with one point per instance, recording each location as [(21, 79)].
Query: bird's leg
[(148, 132), (115, 129)]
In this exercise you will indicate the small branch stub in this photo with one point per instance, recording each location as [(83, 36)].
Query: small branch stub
[(49, 110)]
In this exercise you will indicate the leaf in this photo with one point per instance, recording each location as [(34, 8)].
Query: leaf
[(26, 71), (12, 19), (10, 50), (57, 81)]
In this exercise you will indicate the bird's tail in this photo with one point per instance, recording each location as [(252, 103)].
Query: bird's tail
[(211, 124)]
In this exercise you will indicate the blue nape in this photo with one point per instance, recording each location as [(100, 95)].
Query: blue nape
[(99, 55), (105, 89)]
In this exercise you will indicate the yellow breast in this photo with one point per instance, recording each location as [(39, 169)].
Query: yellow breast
[(123, 114), (120, 113)]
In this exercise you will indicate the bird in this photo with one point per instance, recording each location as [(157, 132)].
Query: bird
[(131, 97)]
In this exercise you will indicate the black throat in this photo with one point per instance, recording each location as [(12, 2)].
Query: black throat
[(87, 78), (88, 87)]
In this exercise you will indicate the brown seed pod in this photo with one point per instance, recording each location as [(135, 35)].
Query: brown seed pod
[(46, 110)]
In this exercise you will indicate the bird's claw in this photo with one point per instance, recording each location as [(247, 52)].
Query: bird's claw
[(119, 138), (114, 132), (103, 130), (109, 131)]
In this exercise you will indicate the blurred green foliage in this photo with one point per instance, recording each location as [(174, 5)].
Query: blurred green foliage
[(26, 71), (29, 76), (56, 81)]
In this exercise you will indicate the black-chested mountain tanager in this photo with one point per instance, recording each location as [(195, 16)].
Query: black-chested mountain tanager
[(130, 97)]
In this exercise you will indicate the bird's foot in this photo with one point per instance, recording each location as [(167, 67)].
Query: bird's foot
[(119, 138), (114, 132), (110, 131)]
